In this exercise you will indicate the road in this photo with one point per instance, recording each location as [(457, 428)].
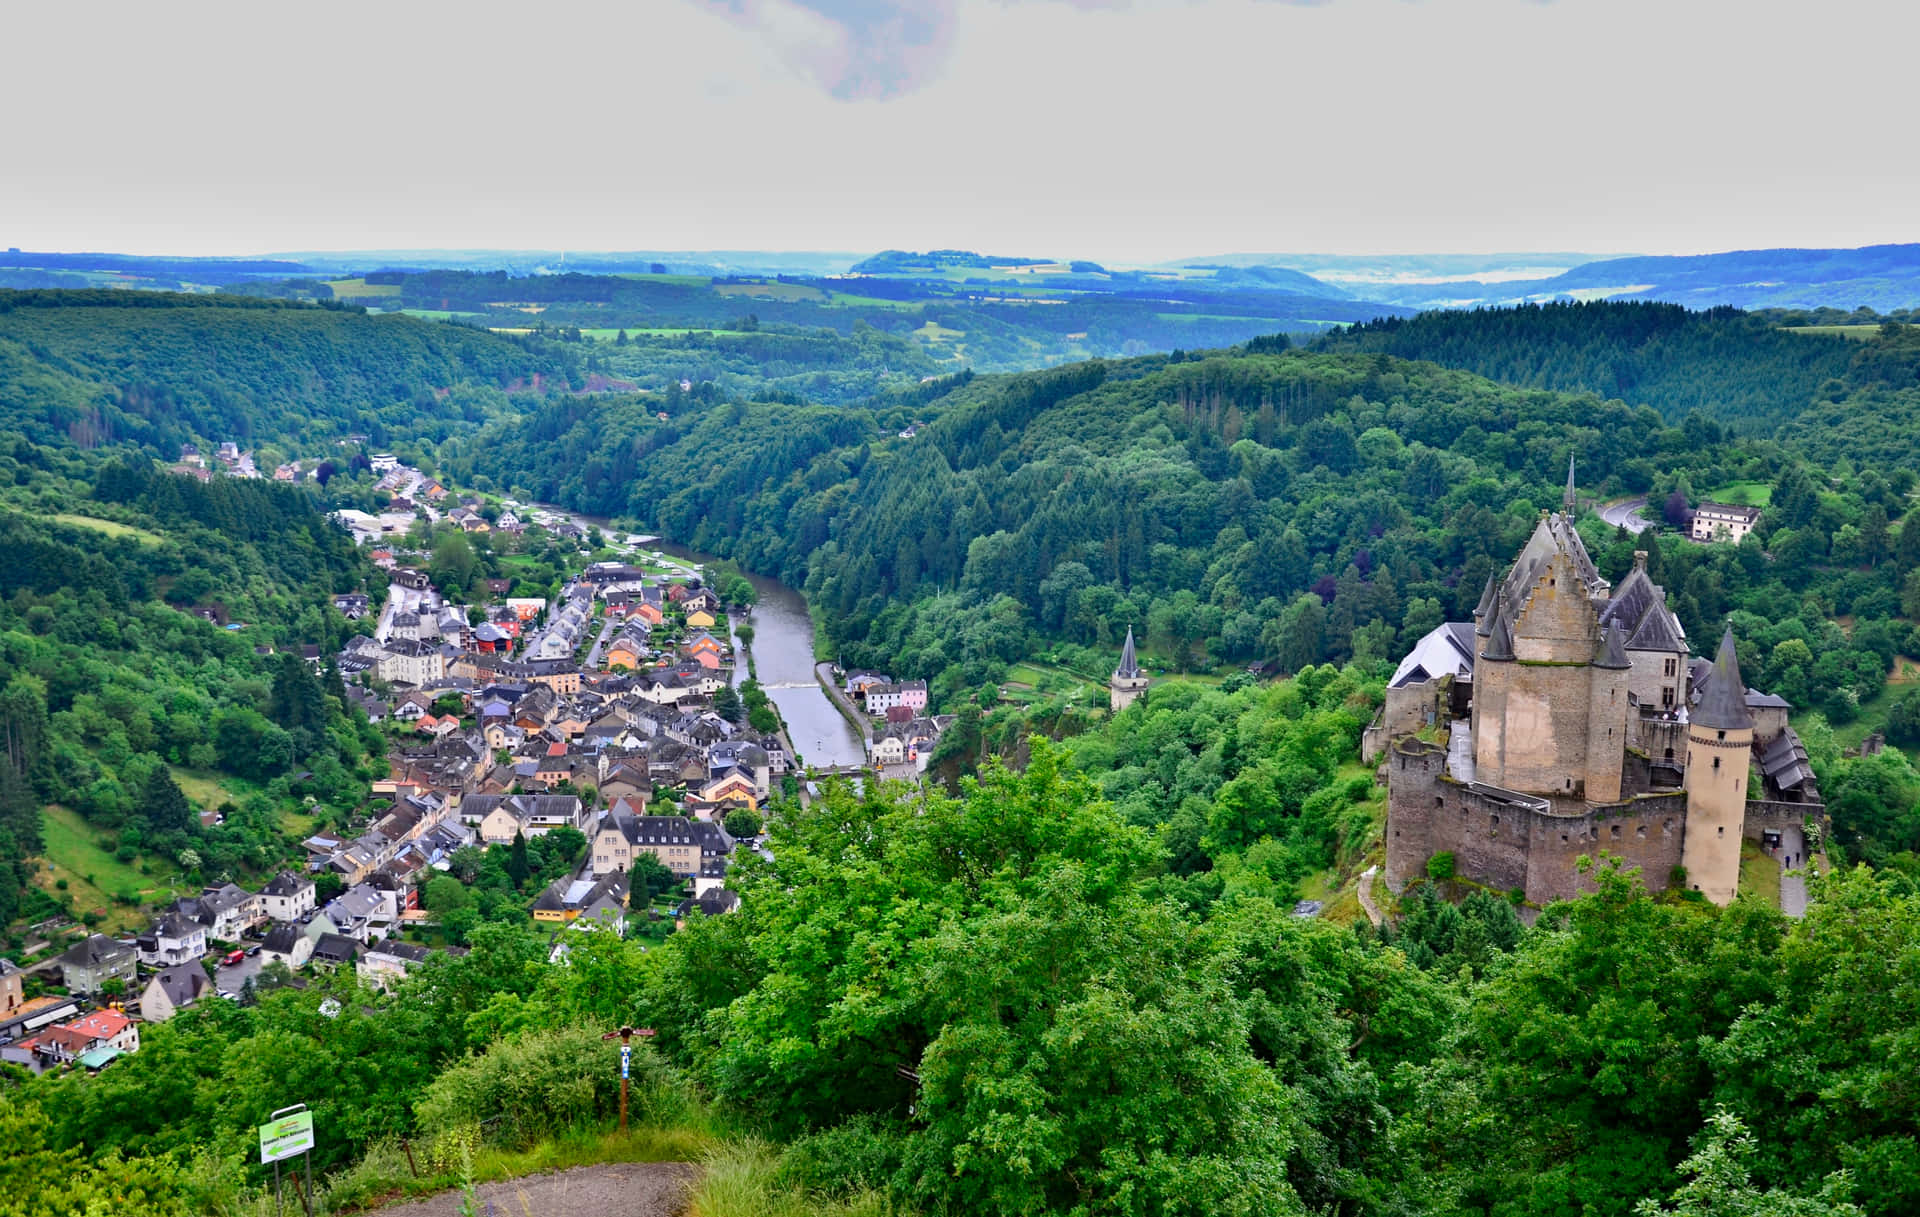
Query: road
[(1793, 883), (599, 644), (1626, 514), (824, 672), (622, 1189), (1365, 892)]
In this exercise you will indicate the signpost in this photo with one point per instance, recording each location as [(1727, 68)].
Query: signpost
[(626, 1035), (289, 1134)]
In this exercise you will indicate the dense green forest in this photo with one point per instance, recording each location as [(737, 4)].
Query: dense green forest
[(117, 676), (96, 368)]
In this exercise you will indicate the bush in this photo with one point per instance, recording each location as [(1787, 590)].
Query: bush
[(542, 1082), (1440, 867), (859, 1155)]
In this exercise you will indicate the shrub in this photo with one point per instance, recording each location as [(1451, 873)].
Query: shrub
[(542, 1082), (1440, 867)]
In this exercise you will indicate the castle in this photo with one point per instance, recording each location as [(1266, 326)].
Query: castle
[(1568, 719)]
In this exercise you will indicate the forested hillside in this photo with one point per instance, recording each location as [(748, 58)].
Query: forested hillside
[(97, 368), (117, 678)]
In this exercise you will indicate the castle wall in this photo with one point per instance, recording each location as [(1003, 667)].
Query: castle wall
[(1534, 739), (1557, 623), (1658, 679), (1647, 832)]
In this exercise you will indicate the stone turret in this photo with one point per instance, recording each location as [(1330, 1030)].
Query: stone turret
[(1129, 683), (1719, 745)]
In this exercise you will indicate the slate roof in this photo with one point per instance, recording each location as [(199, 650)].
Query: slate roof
[(1447, 650), (281, 938), (183, 983), (1785, 762), (1129, 664), (1723, 703)]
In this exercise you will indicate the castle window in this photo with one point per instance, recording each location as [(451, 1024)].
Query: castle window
[(1716, 762), (1616, 832), (1640, 831), (1669, 754), (1666, 697), (1719, 735), (1493, 821), (1563, 838), (1721, 831), (1669, 669), (1439, 801)]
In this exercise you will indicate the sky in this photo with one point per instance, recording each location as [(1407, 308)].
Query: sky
[(1129, 131)]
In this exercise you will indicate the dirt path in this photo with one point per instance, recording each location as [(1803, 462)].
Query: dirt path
[(621, 1189), (1365, 892)]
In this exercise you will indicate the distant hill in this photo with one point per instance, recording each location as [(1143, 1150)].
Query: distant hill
[(1882, 277), (1274, 278), (100, 367), (900, 261)]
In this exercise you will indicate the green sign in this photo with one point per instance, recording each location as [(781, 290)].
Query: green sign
[(286, 1137)]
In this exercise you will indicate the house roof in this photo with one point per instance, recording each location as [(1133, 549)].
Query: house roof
[(95, 950), (183, 983), (1446, 650), (336, 948), (1129, 664), (286, 883), (281, 938)]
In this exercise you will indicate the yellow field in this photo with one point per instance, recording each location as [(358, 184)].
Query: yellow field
[(933, 331), (109, 527), (347, 288)]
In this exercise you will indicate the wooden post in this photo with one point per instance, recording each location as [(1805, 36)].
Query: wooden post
[(626, 1035)]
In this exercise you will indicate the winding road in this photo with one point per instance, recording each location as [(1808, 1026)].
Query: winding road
[(1626, 514)]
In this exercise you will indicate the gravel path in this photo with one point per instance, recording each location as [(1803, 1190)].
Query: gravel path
[(1793, 883), (1365, 892), (621, 1189)]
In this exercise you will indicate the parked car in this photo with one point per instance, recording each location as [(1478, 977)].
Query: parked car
[(233, 957), (253, 950)]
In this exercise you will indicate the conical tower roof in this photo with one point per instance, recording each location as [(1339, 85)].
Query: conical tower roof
[(1486, 602), (1499, 635), (1568, 500), (1129, 665), (1723, 704), (1613, 649)]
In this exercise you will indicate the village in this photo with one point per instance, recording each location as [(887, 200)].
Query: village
[(604, 721)]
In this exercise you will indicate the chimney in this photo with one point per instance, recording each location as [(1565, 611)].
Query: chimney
[(1640, 559)]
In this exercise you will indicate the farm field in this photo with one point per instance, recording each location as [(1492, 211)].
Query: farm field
[(1859, 333), (351, 288), (770, 291)]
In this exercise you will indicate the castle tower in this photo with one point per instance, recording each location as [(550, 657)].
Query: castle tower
[(1719, 743), (1129, 683), (1607, 718)]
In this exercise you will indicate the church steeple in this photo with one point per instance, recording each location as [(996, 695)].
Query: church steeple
[(1567, 501), (1129, 666), (1129, 683)]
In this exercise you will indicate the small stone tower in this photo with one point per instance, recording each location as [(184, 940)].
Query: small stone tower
[(1129, 683), (1719, 743)]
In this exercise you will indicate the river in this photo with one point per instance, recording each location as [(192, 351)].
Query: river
[(783, 659)]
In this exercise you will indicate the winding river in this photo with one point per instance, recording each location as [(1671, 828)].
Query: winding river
[(783, 659)]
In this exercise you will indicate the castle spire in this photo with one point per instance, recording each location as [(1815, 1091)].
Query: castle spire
[(1499, 635), (1568, 500), (1723, 704), (1129, 665)]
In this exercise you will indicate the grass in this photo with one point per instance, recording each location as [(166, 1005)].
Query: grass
[(933, 331), (94, 876), (742, 1179), (1747, 494), (204, 787), (351, 288), (110, 527), (1759, 874)]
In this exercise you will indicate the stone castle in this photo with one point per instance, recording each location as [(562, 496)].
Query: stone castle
[(1568, 719)]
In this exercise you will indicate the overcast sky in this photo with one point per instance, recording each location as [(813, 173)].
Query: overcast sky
[(1127, 130)]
